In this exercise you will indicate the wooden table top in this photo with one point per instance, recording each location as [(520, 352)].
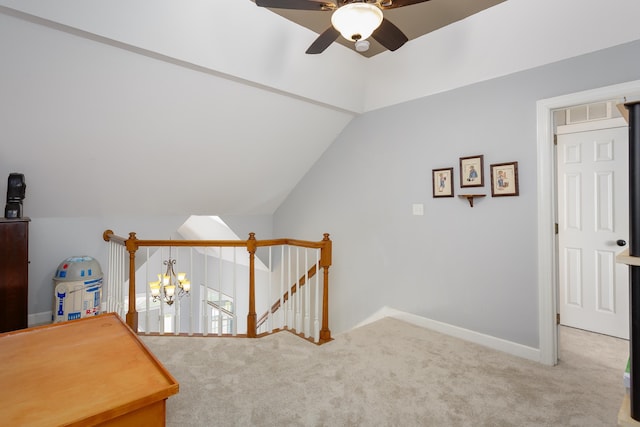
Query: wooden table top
[(78, 373)]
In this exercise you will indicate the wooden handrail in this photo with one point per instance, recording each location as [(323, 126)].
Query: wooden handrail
[(224, 310), (108, 235), (132, 243)]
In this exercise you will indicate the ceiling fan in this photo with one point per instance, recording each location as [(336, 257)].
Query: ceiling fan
[(355, 20)]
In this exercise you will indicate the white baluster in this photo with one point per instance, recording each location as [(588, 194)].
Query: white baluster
[(191, 297), (205, 307), (290, 300), (123, 288), (268, 323), (121, 283), (105, 306), (298, 292), (316, 323), (113, 279), (307, 297), (234, 323), (117, 282), (282, 309), (176, 317), (219, 290), (161, 312), (205, 322), (104, 303), (110, 305), (146, 293)]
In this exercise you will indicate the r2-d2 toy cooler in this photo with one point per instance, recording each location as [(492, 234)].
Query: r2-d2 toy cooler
[(78, 289)]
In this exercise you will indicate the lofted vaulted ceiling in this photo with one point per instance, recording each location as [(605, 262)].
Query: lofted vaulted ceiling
[(211, 107), (414, 21)]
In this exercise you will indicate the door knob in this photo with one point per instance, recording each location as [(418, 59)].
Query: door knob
[(621, 242)]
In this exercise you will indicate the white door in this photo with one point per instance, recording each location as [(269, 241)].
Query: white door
[(593, 216)]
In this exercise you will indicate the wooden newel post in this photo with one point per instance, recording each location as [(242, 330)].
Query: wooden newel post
[(132, 314), (634, 251), (325, 263), (252, 317)]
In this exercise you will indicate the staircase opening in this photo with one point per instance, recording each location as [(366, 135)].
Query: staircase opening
[(231, 289)]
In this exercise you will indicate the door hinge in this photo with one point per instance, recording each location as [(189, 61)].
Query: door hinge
[(556, 228), (555, 139), (557, 318)]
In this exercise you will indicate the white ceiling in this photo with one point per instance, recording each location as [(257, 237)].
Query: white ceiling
[(212, 107)]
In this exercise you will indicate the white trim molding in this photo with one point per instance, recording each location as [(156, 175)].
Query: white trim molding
[(489, 341), (547, 256), (36, 319)]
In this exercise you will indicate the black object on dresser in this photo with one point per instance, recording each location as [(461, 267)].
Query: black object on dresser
[(16, 188), (14, 270)]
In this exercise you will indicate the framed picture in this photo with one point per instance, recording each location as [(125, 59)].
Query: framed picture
[(443, 182), (472, 171), (504, 179)]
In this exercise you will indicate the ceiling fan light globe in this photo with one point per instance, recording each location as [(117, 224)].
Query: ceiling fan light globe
[(357, 21)]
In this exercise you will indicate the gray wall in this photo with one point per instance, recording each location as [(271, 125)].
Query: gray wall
[(51, 240), (471, 267)]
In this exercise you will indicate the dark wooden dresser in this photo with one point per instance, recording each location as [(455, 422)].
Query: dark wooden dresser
[(14, 271)]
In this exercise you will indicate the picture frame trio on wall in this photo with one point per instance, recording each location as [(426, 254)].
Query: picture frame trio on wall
[(504, 177)]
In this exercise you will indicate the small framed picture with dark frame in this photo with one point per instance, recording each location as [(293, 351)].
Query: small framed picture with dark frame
[(504, 179), (443, 182), (472, 171)]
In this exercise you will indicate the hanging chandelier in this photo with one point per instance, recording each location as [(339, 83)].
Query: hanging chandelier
[(169, 283)]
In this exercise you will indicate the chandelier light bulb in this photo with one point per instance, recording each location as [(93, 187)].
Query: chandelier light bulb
[(155, 288), (170, 290)]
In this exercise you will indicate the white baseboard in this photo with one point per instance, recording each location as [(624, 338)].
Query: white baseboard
[(39, 318), (499, 344)]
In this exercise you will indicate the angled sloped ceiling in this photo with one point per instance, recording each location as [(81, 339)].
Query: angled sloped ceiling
[(157, 107), (100, 127)]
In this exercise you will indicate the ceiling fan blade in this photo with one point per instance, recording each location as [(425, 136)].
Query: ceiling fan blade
[(323, 41), (389, 36), (296, 4), (393, 4)]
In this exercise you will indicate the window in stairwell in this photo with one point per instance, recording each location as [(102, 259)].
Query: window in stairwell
[(221, 313), (168, 323)]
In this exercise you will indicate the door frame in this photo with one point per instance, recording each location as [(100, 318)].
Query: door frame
[(546, 184)]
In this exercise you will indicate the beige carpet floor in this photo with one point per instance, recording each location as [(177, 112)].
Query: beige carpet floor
[(389, 373)]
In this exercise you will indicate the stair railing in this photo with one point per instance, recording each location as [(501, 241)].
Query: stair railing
[(311, 272), (117, 291)]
